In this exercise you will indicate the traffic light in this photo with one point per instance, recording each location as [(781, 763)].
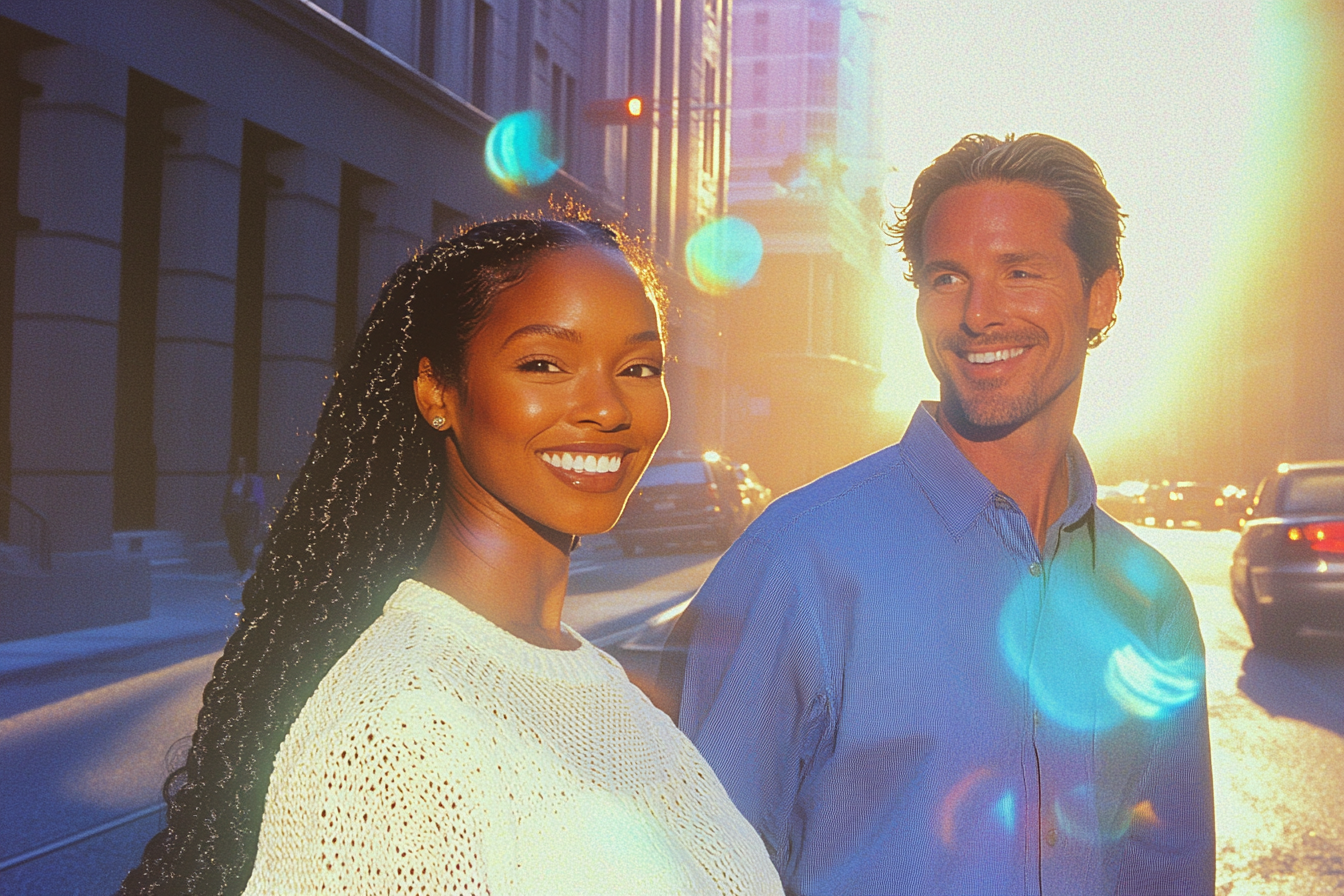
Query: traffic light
[(622, 110)]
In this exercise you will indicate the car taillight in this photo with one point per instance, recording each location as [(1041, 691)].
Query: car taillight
[(1328, 538)]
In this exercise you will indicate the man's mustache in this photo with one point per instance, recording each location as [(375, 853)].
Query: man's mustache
[(968, 344)]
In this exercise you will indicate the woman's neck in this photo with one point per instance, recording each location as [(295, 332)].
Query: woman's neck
[(507, 569)]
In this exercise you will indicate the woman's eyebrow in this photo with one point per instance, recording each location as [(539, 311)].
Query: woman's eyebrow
[(564, 333), (646, 336)]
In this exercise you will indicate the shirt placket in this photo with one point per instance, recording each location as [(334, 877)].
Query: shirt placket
[(1026, 557)]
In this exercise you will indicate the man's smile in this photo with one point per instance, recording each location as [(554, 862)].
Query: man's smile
[(990, 357)]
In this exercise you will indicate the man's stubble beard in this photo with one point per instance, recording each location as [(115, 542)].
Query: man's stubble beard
[(995, 412)]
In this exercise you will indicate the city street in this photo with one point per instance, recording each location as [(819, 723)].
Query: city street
[(92, 746)]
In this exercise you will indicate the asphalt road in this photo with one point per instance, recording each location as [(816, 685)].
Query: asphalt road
[(1277, 727), (94, 746)]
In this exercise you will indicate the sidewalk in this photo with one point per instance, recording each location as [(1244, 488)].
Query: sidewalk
[(184, 608)]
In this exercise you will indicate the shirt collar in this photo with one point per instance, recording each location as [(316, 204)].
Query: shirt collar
[(959, 491)]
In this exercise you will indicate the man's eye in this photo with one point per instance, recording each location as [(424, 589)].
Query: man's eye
[(1020, 274), (944, 280), (539, 365), (642, 370)]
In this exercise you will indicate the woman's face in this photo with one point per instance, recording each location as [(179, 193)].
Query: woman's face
[(562, 402)]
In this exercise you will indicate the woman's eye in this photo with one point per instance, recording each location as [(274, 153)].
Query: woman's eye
[(539, 365), (643, 370)]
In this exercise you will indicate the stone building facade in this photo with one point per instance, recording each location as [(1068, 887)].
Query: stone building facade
[(199, 200)]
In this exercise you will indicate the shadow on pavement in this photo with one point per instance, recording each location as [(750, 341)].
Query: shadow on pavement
[(1305, 682)]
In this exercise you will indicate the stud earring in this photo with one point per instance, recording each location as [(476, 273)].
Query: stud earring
[(437, 422)]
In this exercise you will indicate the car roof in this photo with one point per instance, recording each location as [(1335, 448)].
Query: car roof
[(1311, 465)]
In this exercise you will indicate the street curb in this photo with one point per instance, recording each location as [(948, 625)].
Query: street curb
[(40, 672)]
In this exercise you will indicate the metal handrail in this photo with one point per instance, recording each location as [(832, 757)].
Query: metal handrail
[(43, 531)]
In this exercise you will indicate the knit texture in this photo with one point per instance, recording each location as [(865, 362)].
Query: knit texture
[(442, 754)]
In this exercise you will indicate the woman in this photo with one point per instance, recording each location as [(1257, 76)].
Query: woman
[(365, 731)]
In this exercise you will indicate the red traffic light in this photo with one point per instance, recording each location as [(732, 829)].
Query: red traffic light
[(621, 110)]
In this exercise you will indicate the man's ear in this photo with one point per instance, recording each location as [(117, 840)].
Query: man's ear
[(1102, 299), (437, 402)]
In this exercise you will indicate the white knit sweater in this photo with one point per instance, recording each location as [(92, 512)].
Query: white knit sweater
[(442, 754)]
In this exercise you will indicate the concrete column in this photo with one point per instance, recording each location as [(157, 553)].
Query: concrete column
[(193, 366), (67, 291), (402, 222), (298, 315)]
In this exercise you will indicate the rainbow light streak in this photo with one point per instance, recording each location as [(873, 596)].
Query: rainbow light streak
[(517, 151), (724, 255), (1075, 808), (1085, 668), (972, 801)]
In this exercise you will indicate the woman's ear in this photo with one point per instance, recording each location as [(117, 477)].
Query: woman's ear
[(437, 403)]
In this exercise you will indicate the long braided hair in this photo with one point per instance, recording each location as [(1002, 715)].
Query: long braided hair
[(358, 519)]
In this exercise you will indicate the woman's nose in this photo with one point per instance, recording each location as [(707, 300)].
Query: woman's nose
[(602, 402)]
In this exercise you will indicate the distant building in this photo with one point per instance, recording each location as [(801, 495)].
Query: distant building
[(803, 341), (200, 198)]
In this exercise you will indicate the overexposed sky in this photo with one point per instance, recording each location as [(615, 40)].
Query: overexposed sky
[(1162, 95)]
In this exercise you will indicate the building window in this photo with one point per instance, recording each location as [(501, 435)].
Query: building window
[(822, 37), (821, 88), (756, 139), (709, 130), (429, 35), (760, 38), (482, 35), (353, 218), (760, 83), (821, 127), (355, 13)]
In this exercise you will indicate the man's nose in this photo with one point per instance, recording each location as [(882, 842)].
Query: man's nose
[(984, 306)]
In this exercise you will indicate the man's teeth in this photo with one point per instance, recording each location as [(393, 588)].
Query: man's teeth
[(584, 463), (1002, 354)]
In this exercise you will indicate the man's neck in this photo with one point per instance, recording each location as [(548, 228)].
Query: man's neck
[(1028, 464)]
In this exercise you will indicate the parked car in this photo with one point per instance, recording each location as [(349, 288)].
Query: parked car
[(1288, 567), (685, 500)]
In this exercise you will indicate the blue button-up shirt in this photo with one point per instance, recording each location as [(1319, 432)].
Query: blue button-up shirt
[(905, 695)]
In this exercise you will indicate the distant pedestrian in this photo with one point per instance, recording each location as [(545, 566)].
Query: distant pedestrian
[(243, 500), (401, 708)]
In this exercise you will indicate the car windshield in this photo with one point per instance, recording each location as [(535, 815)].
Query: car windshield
[(686, 472), (1313, 492)]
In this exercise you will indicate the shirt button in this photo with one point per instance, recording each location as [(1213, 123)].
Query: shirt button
[(1051, 838), (1036, 717), (1035, 569)]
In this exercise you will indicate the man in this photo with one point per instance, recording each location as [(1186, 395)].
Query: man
[(942, 669)]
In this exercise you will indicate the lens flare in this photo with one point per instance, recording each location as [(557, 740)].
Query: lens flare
[(517, 151), (724, 255), (978, 809), (1082, 652)]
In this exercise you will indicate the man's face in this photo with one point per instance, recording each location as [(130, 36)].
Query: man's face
[(1001, 303)]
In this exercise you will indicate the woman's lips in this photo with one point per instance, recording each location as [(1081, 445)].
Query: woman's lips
[(584, 463), (586, 470)]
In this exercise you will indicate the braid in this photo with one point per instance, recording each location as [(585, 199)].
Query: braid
[(359, 519)]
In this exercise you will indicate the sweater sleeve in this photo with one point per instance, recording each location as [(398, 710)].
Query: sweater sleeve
[(387, 803)]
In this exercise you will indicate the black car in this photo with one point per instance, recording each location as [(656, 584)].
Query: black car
[(686, 500), (1288, 567)]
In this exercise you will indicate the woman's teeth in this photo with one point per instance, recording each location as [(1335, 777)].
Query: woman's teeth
[(1002, 354), (583, 463)]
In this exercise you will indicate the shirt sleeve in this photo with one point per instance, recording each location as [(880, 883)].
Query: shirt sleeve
[(1172, 849), (756, 696)]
